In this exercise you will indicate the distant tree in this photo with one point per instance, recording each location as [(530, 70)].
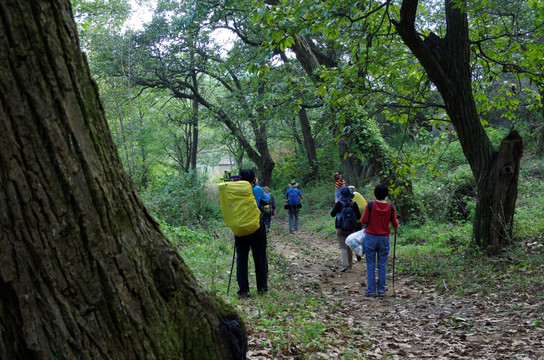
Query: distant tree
[(86, 272)]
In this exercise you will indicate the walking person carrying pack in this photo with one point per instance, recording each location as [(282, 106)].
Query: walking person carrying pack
[(269, 209), (338, 183), (377, 216), (293, 196), (239, 205), (346, 213)]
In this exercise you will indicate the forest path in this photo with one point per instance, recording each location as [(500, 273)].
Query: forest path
[(414, 320)]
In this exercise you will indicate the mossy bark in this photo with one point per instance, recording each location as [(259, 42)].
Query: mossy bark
[(86, 272)]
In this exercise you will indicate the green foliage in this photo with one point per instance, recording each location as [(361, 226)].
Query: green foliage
[(529, 222), (182, 200), (446, 238), (318, 203), (208, 257), (295, 166), (449, 259)]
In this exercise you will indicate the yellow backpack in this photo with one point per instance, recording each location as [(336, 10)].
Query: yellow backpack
[(361, 202), (239, 208)]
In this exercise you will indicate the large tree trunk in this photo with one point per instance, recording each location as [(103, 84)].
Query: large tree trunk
[(85, 271), (447, 63), (309, 143), (497, 195)]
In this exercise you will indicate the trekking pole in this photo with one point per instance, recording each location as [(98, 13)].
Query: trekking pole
[(394, 257), (231, 266)]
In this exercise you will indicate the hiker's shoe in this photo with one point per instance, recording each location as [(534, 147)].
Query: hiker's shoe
[(243, 295), (367, 294), (381, 294), (344, 268)]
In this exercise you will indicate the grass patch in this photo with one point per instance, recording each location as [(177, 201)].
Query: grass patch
[(450, 260), (209, 257)]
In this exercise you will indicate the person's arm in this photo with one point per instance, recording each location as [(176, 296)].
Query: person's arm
[(364, 218), (336, 209), (259, 194), (395, 221)]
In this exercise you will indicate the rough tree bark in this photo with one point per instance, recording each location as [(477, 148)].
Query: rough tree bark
[(85, 271), (309, 143), (447, 63)]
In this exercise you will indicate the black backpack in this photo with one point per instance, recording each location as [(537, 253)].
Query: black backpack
[(266, 208), (347, 220)]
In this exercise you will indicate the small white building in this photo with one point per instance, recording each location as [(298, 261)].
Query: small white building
[(225, 163)]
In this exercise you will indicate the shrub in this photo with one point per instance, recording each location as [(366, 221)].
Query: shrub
[(182, 200)]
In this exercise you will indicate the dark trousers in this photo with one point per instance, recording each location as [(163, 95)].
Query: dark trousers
[(267, 219), (255, 242)]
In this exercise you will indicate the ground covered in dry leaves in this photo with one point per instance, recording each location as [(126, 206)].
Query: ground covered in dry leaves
[(414, 320)]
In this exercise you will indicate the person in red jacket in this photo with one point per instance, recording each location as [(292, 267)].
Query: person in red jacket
[(376, 245)]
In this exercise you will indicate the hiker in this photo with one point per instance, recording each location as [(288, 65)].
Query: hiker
[(269, 209), (361, 202), (255, 242), (293, 196), (226, 176), (346, 212), (377, 216), (338, 183)]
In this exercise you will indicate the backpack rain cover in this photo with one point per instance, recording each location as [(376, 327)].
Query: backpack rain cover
[(239, 208)]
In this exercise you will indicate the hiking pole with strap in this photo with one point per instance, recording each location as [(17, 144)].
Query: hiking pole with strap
[(231, 266), (394, 257)]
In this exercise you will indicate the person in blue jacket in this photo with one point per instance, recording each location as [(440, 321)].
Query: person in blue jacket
[(268, 209), (293, 196)]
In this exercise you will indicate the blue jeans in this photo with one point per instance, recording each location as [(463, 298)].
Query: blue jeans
[(376, 246), (293, 219)]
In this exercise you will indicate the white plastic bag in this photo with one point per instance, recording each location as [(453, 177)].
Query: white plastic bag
[(355, 242)]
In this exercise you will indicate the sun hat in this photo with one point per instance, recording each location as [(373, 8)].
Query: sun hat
[(345, 194), (294, 184)]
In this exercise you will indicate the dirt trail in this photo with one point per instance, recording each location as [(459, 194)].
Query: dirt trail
[(416, 320)]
